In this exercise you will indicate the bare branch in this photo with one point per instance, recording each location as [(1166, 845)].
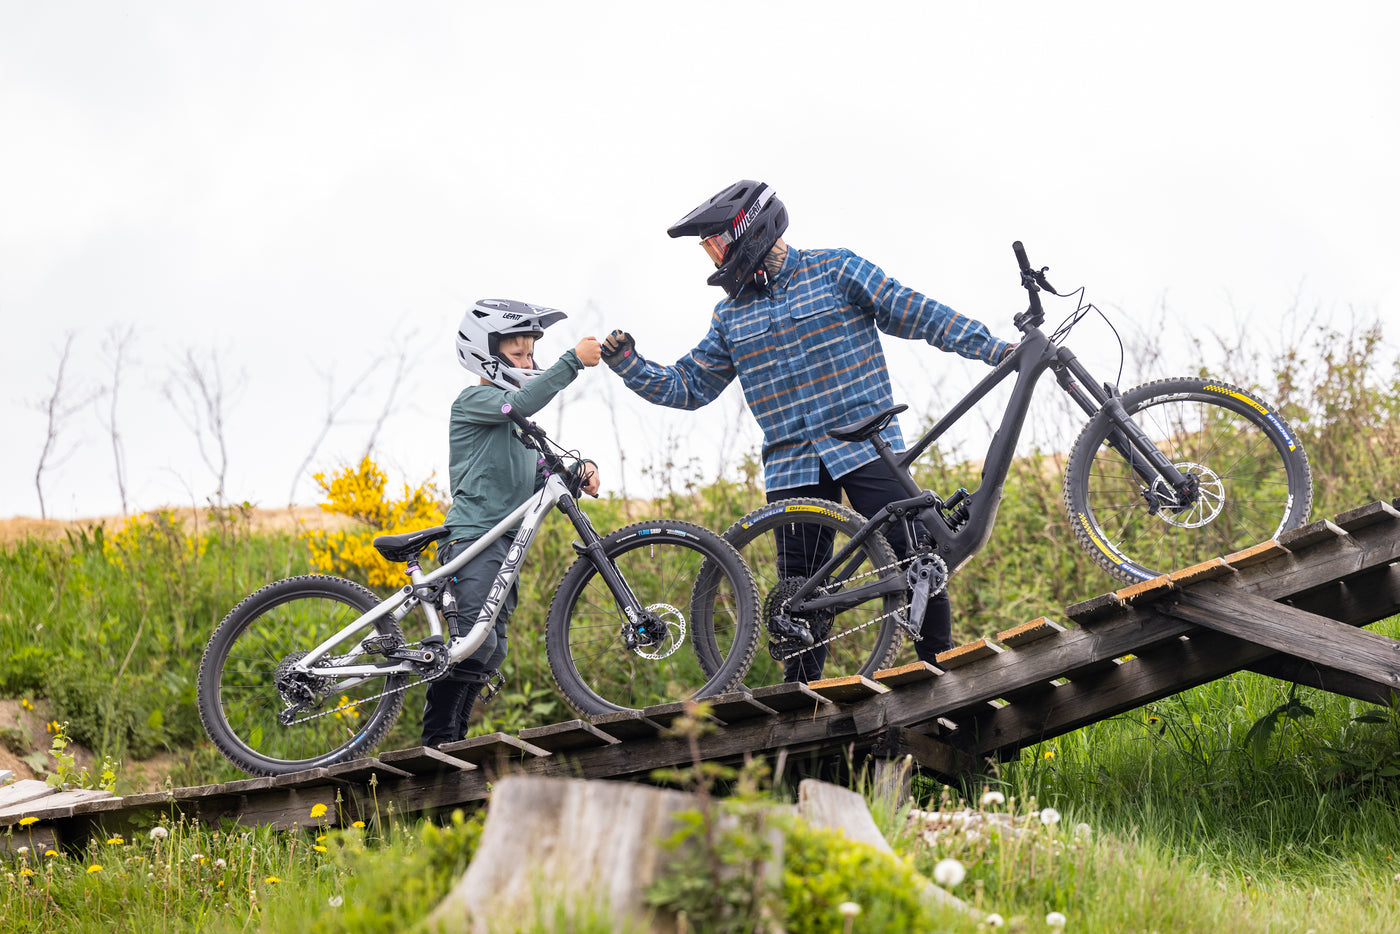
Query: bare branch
[(197, 392), (57, 407), (114, 349)]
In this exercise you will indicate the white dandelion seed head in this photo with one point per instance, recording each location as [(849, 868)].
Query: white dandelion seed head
[(220, 864), (1083, 831), (196, 857), (949, 873), (22, 851), (1049, 816), (848, 909), (1056, 920), (994, 920), (335, 901), (159, 833), (992, 799)]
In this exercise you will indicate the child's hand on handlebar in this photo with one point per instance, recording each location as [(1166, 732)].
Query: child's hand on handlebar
[(588, 472), (589, 351)]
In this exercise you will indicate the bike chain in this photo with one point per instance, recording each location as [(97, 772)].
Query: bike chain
[(854, 629), (365, 700)]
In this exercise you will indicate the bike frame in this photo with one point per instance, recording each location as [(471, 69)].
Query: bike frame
[(423, 589), (957, 540)]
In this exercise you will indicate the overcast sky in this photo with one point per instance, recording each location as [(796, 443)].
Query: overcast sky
[(289, 192)]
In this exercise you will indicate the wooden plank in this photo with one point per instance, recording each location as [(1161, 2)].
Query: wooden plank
[(55, 806), (628, 724), (306, 779), (959, 656), (1368, 515), (568, 736), (424, 760), (493, 748), (1296, 632), (737, 706), (1255, 554), (23, 791), (668, 714), (1206, 570), (1305, 536), (364, 770), (1026, 633), (912, 673), (1145, 591), (1095, 610), (789, 696), (847, 689)]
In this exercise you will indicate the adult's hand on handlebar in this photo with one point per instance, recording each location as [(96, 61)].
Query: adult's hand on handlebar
[(617, 347)]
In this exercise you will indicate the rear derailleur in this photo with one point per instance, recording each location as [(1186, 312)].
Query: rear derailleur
[(789, 634)]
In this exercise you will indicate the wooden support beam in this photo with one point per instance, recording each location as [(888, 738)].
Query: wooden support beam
[(1292, 631), (1322, 677)]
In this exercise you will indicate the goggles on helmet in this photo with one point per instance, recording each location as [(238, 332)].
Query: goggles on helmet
[(718, 245)]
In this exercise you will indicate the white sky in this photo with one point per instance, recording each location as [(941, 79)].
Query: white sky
[(299, 188)]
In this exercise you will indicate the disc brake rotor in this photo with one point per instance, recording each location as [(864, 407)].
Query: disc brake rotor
[(665, 644), (1210, 499)]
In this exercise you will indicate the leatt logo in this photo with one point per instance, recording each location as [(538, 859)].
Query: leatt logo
[(512, 316), (742, 222)]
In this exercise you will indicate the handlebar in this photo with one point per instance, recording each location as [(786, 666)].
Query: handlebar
[(533, 436), (1032, 280)]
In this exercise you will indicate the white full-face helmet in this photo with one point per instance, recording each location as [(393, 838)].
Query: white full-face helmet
[(483, 326)]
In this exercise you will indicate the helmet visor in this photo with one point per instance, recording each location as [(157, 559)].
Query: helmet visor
[(718, 245)]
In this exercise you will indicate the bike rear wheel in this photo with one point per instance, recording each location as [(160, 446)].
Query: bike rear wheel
[(678, 571), (1253, 476), (237, 689), (862, 639)]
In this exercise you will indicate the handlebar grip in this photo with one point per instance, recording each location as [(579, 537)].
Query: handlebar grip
[(1021, 256)]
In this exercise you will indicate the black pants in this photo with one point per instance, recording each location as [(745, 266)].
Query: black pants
[(870, 488)]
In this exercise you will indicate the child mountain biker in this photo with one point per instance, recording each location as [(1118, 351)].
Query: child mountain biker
[(800, 330), (491, 473)]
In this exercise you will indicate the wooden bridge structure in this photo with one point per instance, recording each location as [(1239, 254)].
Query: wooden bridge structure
[(1293, 608)]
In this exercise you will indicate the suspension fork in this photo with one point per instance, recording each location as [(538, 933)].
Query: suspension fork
[(591, 547), (1126, 439)]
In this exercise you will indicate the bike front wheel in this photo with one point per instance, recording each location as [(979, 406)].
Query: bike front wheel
[(1252, 476), (603, 662), (784, 543), (248, 658)]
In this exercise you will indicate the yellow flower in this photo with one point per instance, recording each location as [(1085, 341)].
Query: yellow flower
[(26, 871), (318, 810), (26, 821), (116, 841), (272, 880), (94, 868), (318, 848), (50, 853), (358, 823), (26, 704), (1049, 754)]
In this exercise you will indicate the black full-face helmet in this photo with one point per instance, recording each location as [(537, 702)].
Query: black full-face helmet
[(737, 227)]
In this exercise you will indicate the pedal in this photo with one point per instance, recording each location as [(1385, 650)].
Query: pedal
[(491, 687)]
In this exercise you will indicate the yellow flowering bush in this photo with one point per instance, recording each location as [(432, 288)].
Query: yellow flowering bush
[(360, 493), (156, 535)]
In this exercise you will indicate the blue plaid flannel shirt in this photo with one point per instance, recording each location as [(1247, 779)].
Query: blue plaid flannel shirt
[(809, 359)]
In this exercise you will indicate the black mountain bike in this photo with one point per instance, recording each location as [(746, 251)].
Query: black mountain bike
[(1163, 476)]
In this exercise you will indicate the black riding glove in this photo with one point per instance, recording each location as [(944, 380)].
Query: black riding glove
[(617, 347)]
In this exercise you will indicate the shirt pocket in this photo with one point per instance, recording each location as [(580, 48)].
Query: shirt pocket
[(749, 326)]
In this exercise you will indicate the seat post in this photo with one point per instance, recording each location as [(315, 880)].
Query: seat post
[(886, 452)]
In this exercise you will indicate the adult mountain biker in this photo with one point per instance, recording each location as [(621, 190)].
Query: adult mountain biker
[(800, 330), (490, 473)]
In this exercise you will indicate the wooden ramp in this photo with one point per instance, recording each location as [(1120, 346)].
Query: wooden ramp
[(1291, 609)]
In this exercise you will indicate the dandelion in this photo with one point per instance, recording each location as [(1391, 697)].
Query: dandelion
[(26, 821), (318, 811), (272, 880), (1048, 754), (949, 873), (318, 848), (993, 799), (22, 851), (48, 853), (1083, 831), (1056, 920), (94, 868), (335, 901), (26, 704), (994, 920), (1049, 816), (115, 841), (848, 909), (358, 825), (220, 864), (159, 833)]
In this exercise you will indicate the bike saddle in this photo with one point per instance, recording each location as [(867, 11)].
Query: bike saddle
[(406, 547), (867, 427)]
